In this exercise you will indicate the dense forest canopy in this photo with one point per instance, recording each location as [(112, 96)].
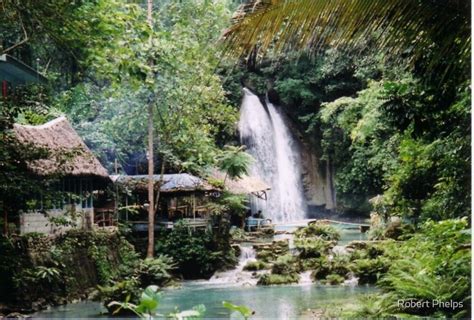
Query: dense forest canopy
[(379, 92), (388, 122)]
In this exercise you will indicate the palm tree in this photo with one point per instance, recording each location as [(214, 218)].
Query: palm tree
[(436, 31)]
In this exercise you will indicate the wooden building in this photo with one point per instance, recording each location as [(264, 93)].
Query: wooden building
[(78, 177), (182, 196)]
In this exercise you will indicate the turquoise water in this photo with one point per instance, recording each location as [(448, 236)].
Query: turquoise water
[(274, 302), (348, 232)]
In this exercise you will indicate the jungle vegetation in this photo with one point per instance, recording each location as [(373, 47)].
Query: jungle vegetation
[(384, 98)]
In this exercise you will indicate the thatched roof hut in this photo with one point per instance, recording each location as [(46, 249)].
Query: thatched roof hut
[(176, 182), (68, 154), (245, 185)]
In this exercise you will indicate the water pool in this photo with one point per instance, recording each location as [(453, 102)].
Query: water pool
[(273, 302), (349, 232)]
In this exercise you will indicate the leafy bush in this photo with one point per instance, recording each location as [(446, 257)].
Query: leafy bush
[(369, 270), (147, 307), (255, 265), (271, 252), (272, 279), (321, 269), (313, 247), (125, 290), (321, 230), (333, 279), (435, 264), (197, 253), (285, 265), (154, 271)]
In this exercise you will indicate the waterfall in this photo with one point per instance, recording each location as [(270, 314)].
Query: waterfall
[(237, 275), (277, 160)]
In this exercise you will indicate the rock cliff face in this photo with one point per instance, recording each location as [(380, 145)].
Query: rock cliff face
[(317, 179)]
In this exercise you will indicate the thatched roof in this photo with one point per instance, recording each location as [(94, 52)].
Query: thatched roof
[(68, 154), (176, 182), (244, 185)]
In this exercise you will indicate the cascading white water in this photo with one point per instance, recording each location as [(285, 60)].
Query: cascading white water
[(277, 160), (237, 275)]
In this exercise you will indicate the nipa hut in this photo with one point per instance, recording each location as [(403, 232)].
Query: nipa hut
[(77, 172), (182, 196)]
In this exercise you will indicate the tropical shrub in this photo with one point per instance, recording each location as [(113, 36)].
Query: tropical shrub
[(156, 271), (255, 265), (124, 290), (369, 270), (333, 279), (435, 264), (321, 230), (147, 307), (285, 265), (274, 279), (197, 253), (321, 268), (313, 247)]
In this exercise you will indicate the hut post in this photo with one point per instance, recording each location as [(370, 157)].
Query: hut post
[(194, 206)]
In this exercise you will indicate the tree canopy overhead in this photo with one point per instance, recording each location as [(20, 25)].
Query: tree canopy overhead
[(435, 30)]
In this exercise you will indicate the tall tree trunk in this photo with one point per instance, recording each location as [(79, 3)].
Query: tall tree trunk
[(151, 207)]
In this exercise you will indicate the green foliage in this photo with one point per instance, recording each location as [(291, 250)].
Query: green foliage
[(147, 307), (410, 31), (373, 306), (276, 279), (234, 162), (256, 265), (170, 66), (434, 264), (271, 252), (321, 230), (37, 267), (154, 270), (285, 265), (244, 311), (369, 270), (333, 279), (284, 271), (124, 290), (313, 247), (197, 253)]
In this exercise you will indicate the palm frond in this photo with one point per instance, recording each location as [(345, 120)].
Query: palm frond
[(435, 29)]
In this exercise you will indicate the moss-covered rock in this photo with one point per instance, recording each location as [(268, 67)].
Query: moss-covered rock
[(285, 265), (370, 270), (256, 265), (333, 279), (321, 230), (321, 268), (271, 279), (313, 247), (271, 252), (53, 270)]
